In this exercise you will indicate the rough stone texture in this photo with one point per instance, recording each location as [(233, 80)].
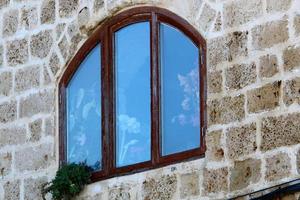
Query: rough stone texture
[(214, 82), (64, 47), (244, 173), (67, 7), (298, 161), (297, 24), (227, 48), (241, 11), (268, 66), (280, 131), (239, 76), (12, 136), (29, 18), (12, 190), (49, 126), (278, 166), (10, 22), (269, 34), (27, 78), (291, 58), (218, 23), (35, 129), (4, 3), (5, 164), (214, 151), (34, 158), (241, 141), (207, 17), (119, 193), (48, 12), (215, 180), (291, 91), (41, 43), (83, 18), (59, 30), (5, 83), (8, 111), (17, 52), (278, 5), (225, 110), (98, 4), (1, 56), (32, 188), (189, 185), (37, 103), (264, 98), (54, 64), (160, 188)]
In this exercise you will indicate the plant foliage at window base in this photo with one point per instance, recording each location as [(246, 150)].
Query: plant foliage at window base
[(69, 181)]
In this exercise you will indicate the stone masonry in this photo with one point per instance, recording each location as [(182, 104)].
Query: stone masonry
[(253, 97)]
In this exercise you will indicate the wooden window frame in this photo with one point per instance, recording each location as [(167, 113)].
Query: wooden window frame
[(104, 35)]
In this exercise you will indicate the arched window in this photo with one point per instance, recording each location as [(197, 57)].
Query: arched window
[(133, 97)]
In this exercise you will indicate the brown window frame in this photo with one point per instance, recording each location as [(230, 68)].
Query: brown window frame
[(104, 35)]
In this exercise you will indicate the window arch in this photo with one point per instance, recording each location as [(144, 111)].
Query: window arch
[(133, 97)]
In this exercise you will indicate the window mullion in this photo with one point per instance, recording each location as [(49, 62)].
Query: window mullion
[(155, 91)]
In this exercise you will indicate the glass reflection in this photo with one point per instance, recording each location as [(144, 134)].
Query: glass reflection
[(132, 63), (180, 91), (84, 112)]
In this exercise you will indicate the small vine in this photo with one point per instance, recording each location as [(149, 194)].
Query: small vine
[(69, 181)]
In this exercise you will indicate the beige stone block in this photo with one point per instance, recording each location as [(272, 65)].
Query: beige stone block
[(268, 66), (5, 164), (278, 5), (225, 110), (35, 129), (244, 173), (291, 91), (240, 75), (269, 34), (227, 48), (17, 52), (64, 47), (5, 83), (33, 187), (54, 64), (49, 126), (12, 190), (68, 8), (189, 185), (27, 78), (241, 141), (280, 131), (240, 12), (8, 111), (291, 58), (41, 43), (214, 82), (278, 167), (206, 18), (214, 149), (34, 158), (98, 5), (12, 136), (42, 102), (264, 98), (29, 18), (215, 180), (10, 22), (119, 193), (297, 25), (160, 188), (48, 12)]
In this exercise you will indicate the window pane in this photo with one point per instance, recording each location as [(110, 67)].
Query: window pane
[(84, 112), (132, 62), (180, 91)]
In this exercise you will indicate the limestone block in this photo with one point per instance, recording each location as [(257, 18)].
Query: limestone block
[(189, 185), (8, 111), (41, 43), (291, 58), (278, 167), (17, 52), (27, 78), (214, 82), (215, 180), (10, 22), (5, 83), (48, 12), (214, 149), (268, 66), (12, 136)]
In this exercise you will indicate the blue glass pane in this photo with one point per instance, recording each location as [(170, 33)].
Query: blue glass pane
[(180, 91), (84, 112), (133, 115)]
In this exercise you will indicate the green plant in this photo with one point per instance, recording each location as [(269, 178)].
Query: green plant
[(69, 181)]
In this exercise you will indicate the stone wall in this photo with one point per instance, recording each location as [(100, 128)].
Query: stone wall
[(253, 96)]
